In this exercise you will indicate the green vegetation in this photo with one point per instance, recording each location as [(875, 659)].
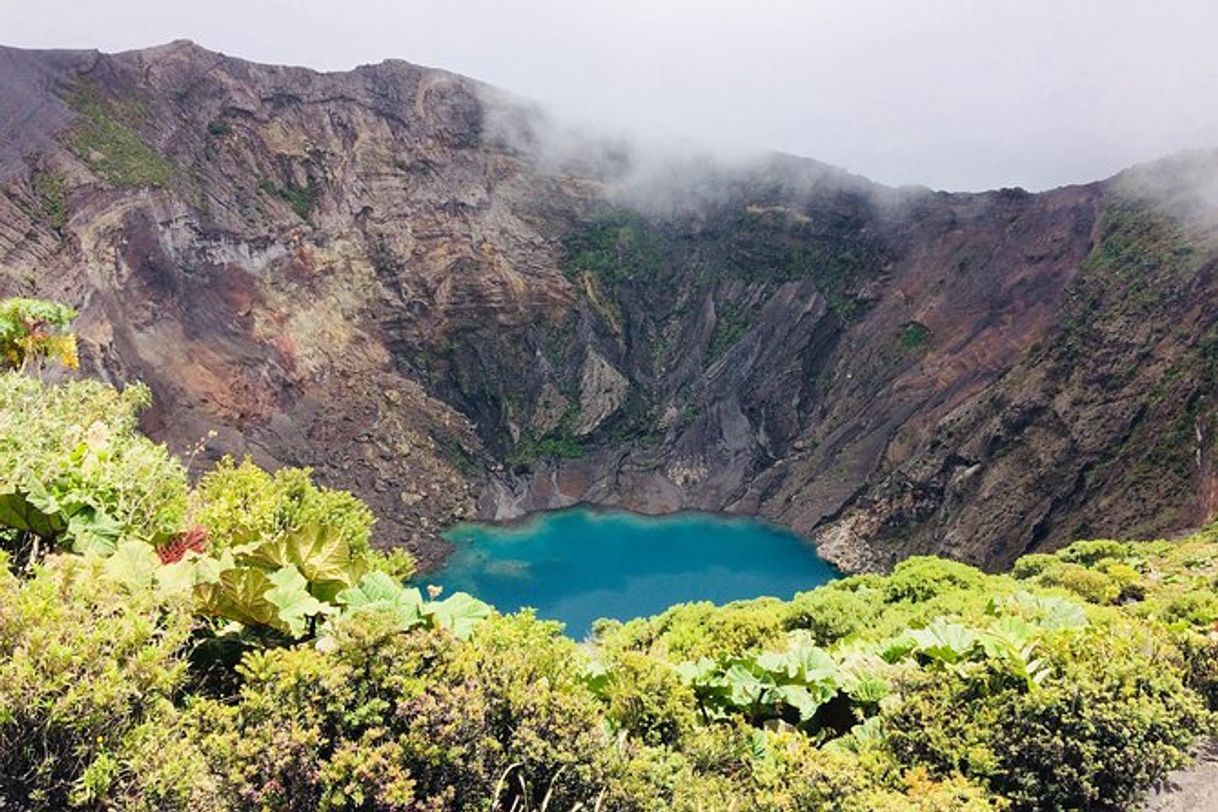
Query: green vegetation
[(51, 192), (1128, 297), (731, 323), (1142, 264), (219, 128), (302, 199), (76, 473), (559, 443), (562, 445), (936, 665), (239, 646), (778, 244), (35, 331), (620, 246), (106, 135), (913, 337)]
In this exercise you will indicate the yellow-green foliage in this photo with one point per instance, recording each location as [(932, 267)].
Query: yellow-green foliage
[(1074, 683), (922, 578), (33, 330), (241, 503), (88, 674), (74, 468), (692, 630)]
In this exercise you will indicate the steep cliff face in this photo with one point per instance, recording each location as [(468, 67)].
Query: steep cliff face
[(391, 275)]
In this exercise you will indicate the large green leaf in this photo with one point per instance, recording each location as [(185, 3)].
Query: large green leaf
[(746, 688), (192, 570), (289, 593), (318, 551), (460, 613), (804, 663), (177, 578), (133, 564), (896, 648), (239, 593), (20, 513), (380, 592), (800, 698), (944, 641), (596, 676), (92, 531), (1046, 611), (813, 664), (868, 733), (696, 672)]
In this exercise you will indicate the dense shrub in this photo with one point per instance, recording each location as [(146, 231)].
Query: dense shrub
[(692, 630), (922, 577), (1113, 716), (270, 660), (644, 697), (88, 674), (835, 611), (1091, 585), (410, 721), (241, 503), (35, 331), (75, 470)]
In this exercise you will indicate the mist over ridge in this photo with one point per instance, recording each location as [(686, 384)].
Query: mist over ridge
[(948, 94)]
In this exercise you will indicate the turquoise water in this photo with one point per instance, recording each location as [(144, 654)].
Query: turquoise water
[(579, 565)]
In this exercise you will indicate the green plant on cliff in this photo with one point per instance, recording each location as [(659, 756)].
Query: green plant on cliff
[(106, 135), (619, 246), (302, 199), (559, 443), (913, 336), (731, 323), (239, 503), (50, 190)]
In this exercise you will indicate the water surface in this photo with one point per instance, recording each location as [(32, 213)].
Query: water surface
[(580, 564)]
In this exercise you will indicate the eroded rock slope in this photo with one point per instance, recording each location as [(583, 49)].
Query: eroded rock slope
[(400, 277)]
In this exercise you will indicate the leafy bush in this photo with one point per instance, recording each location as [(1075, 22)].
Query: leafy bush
[(284, 553), (88, 672), (922, 577), (1029, 566), (1090, 553), (1091, 585), (35, 330), (1112, 717), (414, 721), (835, 611), (268, 658), (644, 697), (692, 630), (106, 135), (241, 503), (75, 470)]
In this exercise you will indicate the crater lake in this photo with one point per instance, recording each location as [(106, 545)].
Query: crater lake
[(581, 564)]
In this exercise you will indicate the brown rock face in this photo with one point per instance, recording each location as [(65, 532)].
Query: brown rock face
[(394, 275)]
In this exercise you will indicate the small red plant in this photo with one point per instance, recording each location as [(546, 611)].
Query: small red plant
[(193, 539)]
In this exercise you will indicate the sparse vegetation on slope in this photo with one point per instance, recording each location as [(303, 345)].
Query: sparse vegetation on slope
[(106, 136)]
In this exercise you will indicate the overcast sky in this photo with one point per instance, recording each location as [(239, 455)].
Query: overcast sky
[(948, 93)]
